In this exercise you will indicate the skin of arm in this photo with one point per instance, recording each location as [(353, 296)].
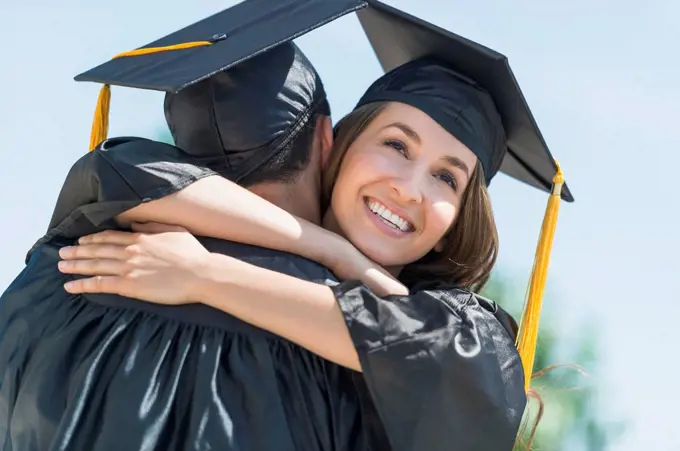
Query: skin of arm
[(303, 312), (219, 208), (170, 266)]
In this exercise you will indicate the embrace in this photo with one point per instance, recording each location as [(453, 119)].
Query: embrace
[(273, 281)]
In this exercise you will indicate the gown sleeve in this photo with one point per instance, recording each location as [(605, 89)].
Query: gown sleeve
[(119, 175), (440, 365)]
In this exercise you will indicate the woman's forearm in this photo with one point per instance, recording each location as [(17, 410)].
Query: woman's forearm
[(303, 312), (219, 208)]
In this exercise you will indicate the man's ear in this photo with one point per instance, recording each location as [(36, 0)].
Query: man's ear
[(324, 128)]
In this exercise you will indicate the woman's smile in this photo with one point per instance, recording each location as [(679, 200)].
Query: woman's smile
[(388, 220)]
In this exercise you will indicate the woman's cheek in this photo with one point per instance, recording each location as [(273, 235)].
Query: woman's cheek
[(359, 161), (368, 161), (442, 216)]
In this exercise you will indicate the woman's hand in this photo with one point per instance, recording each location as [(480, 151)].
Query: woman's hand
[(161, 265), (351, 264)]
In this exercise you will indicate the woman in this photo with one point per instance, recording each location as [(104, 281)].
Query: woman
[(408, 187)]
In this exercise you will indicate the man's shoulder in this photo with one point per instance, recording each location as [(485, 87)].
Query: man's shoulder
[(126, 143), (283, 262), (135, 151)]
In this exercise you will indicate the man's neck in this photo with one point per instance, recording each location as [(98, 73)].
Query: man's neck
[(293, 198)]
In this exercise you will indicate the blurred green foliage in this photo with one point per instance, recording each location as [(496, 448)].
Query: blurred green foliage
[(568, 391)]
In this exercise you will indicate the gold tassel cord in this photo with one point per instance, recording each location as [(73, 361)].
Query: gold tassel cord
[(529, 324), (100, 123)]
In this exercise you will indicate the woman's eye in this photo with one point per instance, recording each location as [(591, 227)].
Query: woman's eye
[(397, 145), (449, 179)]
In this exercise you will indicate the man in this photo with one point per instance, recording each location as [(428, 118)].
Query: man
[(64, 384)]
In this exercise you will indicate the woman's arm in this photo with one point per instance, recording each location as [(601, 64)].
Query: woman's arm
[(219, 208), (141, 180), (303, 312), (174, 268)]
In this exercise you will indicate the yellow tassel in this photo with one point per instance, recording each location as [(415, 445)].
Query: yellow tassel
[(100, 123), (528, 329)]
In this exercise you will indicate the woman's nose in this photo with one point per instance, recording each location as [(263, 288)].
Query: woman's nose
[(408, 189)]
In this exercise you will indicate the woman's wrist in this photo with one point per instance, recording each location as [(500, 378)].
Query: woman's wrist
[(213, 270), (320, 245), (336, 251)]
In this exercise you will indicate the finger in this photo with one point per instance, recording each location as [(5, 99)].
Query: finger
[(106, 251), (110, 237), (98, 284), (95, 267), (155, 227)]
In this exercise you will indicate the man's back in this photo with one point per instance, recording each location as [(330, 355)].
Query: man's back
[(282, 262), (102, 372)]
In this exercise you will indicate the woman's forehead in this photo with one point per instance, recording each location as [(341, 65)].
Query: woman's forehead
[(413, 118), (421, 128)]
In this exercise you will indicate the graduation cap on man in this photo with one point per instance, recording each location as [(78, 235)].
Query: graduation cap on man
[(467, 88)]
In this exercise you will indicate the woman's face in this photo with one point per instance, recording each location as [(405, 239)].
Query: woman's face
[(400, 186)]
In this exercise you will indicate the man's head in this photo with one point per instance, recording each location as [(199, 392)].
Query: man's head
[(262, 123)]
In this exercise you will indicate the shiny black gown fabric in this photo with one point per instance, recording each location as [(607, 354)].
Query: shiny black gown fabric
[(101, 372)]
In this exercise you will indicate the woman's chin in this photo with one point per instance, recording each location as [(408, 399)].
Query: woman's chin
[(385, 256), (385, 251)]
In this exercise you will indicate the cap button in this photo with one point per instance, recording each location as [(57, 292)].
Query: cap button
[(218, 37)]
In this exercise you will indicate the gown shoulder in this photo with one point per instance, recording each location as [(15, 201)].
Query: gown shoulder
[(441, 365)]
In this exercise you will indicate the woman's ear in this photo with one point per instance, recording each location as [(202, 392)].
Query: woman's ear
[(441, 245)]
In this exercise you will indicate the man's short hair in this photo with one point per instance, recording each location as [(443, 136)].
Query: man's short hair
[(294, 157)]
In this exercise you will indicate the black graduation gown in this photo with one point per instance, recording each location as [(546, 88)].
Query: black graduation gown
[(102, 372)]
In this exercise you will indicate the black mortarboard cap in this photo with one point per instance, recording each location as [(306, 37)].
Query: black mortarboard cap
[(237, 33), (469, 78), (272, 84)]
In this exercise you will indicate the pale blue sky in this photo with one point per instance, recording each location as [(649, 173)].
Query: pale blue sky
[(601, 77)]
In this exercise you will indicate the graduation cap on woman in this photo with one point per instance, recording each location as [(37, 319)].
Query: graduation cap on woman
[(492, 100)]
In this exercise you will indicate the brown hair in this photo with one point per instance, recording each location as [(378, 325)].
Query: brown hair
[(471, 243)]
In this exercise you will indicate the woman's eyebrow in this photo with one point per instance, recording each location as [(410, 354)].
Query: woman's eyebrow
[(408, 131), (458, 163)]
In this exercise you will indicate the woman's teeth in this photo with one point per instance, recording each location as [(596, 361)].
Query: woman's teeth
[(390, 218)]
